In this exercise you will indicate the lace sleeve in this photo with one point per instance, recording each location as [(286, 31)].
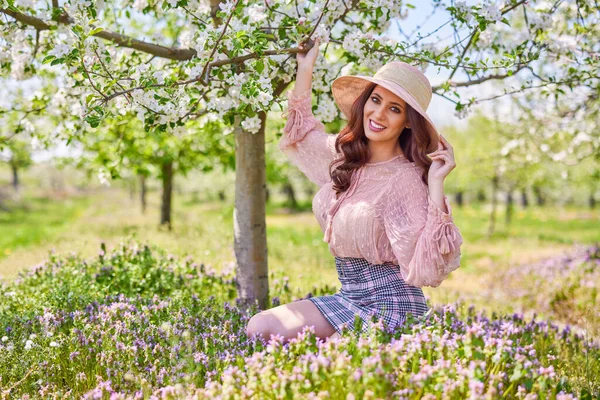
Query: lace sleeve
[(424, 238), (304, 140)]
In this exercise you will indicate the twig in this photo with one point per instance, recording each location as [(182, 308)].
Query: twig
[(458, 64), (204, 70), (319, 20), (91, 82)]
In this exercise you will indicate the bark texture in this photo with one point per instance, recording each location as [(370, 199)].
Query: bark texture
[(249, 217)]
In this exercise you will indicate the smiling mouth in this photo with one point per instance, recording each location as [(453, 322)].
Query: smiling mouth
[(375, 127)]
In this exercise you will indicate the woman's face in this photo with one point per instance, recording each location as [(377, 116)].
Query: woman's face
[(384, 109)]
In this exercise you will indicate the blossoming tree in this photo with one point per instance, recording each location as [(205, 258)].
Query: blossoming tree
[(173, 61)]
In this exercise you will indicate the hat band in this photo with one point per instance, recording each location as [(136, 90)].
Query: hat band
[(411, 84)]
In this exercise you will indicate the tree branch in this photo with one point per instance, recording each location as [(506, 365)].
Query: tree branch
[(458, 64), (481, 80), (117, 38)]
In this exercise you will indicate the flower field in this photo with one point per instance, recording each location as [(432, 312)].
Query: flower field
[(138, 323), (565, 288)]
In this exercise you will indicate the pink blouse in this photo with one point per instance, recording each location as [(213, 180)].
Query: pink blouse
[(385, 216)]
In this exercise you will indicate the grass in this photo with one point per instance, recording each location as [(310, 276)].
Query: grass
[(37, 221), (139, 322), (204, 231), (295, 242)]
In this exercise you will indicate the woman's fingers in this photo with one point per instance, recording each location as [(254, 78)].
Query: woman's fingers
[(446, 158), (447, 144), (310, 56), (437, 152)]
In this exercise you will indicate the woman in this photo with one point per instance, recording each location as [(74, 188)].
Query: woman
[(381, 202)]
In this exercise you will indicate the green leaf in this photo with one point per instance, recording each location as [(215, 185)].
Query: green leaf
[(260, 66), (93, 120), (96, 30), (48, 59)]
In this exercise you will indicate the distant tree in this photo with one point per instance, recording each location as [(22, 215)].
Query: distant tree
[(18, 157), (124, 144)]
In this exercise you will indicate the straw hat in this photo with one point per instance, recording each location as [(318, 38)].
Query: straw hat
[(400, 78)]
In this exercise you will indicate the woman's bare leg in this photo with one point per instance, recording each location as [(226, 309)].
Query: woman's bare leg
[(288, 320)]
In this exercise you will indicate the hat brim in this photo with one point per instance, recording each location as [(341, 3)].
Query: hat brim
[(346, 89)]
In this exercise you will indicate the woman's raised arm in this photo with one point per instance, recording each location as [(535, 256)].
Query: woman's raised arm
[(304, 140)]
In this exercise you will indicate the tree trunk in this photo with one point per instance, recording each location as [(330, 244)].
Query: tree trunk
[(249, 217), (288, 189), (132, 188), (15, 174), (510, 203), (310, 191), (592, 201), (143, 193), (524, 199), (267, 195), (459, 197), (167, 194), (492, 225), (539, 197), (221, 195), (481, 196)]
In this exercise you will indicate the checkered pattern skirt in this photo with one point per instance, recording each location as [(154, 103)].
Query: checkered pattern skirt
[(367, 290)]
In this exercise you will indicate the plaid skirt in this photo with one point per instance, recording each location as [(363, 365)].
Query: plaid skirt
[(367, 290)]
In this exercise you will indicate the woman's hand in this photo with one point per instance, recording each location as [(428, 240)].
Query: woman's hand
[(443, 161), (307, 60)]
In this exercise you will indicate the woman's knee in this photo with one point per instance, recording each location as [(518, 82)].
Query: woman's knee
[(258, 324)]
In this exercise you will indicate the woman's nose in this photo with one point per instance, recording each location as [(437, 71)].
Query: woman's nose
[(378, 114)]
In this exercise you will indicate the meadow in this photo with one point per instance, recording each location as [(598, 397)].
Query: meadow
[(102, 303)]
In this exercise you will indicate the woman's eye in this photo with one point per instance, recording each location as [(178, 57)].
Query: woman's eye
[(375, 98), (396, 110)]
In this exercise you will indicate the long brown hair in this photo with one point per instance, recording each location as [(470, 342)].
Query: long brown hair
[(353, 143)]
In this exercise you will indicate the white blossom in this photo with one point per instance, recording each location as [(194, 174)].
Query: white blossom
[(159, 76), (256, 12), (264, 98), (237, 79), (227, 6), (491, 12), (461, 114), (140, 4), (251, 124), (60, 50), (103, 177), (539, 21), (462, 6), (326, 110), (352, 43)]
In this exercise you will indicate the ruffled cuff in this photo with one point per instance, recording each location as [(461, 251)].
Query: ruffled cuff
[(301, 102), (438, 213), (300, 118), (445, 236)]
